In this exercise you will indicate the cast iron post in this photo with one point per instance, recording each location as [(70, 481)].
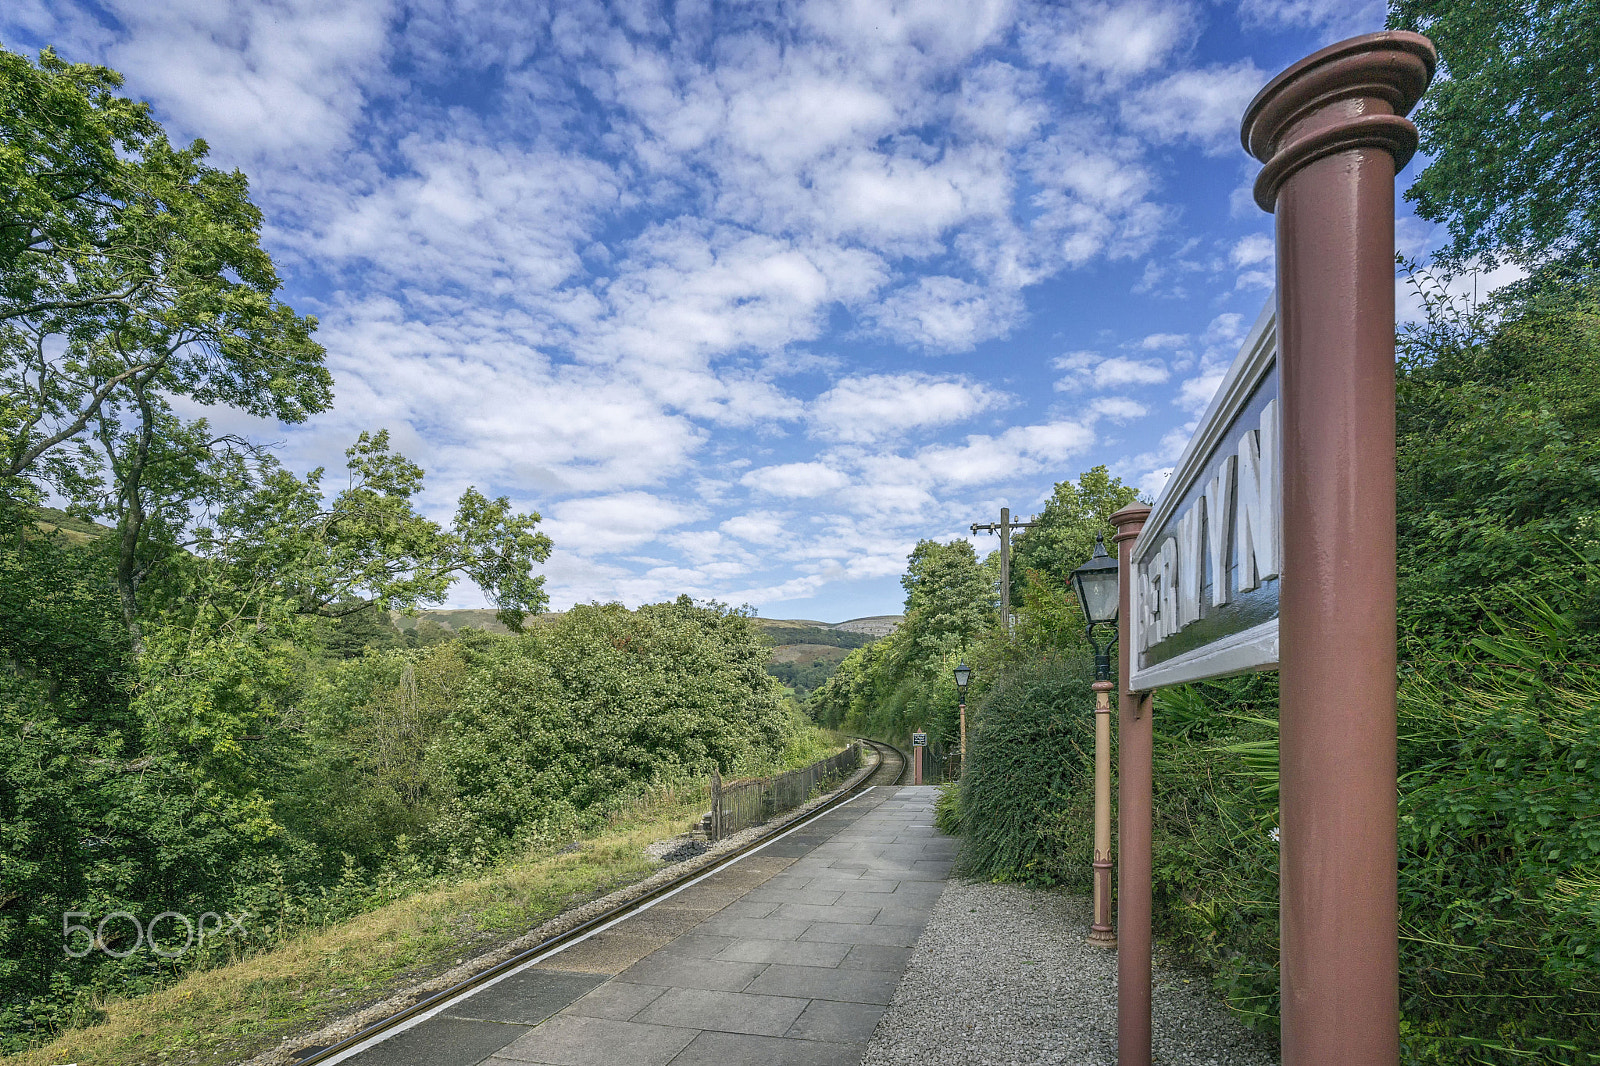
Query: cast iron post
[(1102, 933), (1135, 744), (1332, 132)]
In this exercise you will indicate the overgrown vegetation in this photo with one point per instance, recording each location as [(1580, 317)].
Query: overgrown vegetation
[(378, 939), (1499, 776), (903, 681), (1498, 425), (204, 709)]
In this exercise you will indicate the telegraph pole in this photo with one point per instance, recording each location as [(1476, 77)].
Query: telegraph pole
[(1004, 528)]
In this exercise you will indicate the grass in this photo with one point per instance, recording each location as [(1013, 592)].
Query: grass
[(231, 1012)]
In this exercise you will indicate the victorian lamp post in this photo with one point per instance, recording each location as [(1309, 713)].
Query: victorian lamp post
[(963, 675), (1096, 585)]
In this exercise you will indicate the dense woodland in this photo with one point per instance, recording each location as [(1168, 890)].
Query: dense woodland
[(203, 706)]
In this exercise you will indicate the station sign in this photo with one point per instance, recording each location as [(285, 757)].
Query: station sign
[(1207, 564), (919, 740)]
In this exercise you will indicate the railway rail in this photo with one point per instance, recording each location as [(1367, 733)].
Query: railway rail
[(890, 770)]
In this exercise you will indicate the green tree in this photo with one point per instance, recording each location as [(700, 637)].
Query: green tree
[(130, 273), (1511, 128), (1063, 536), (950, 598), (1498, 434)]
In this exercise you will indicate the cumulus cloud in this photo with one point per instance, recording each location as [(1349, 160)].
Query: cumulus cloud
[(597, 524), (654, 272), (1201, 106), (1093, 370), (796, 480), (1337, 18), (946, 314), (1106, 42), (1118, 408), (879, 406), (1248, 251)]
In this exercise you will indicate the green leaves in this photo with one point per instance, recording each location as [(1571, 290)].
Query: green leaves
[(1510, 127), (1063, 539), (130, 272)]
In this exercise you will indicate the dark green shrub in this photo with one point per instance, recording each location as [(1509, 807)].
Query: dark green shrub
[(1027, 794)]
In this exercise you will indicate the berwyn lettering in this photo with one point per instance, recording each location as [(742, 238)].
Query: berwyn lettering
[(1244, 487)]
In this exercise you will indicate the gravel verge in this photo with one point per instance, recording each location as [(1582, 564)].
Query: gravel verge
[(1002, 976)]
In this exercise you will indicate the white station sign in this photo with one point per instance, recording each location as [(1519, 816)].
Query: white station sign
[(1207, 565)]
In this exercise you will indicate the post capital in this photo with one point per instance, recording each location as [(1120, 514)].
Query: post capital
[(1354, 94), (1129, 521)]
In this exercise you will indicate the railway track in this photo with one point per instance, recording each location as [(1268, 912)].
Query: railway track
[(890, 770)]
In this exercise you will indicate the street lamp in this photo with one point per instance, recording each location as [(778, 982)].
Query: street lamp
[(963, 675), (1096, 583)]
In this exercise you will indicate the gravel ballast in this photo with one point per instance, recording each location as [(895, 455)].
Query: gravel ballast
[(1002, 976)]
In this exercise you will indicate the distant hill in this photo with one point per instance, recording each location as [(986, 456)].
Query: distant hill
[(877, 625), (849, 634), (452, 620), (805, 652), (76, 530)]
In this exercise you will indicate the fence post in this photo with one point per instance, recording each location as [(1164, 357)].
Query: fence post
[(716, 804)]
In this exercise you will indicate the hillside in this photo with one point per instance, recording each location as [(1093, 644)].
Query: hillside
[(783, 632), (805, 652)]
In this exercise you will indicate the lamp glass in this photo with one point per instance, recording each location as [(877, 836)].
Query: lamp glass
[(963, 675), (1096, 584)]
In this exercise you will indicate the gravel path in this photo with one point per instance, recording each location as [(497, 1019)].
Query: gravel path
[(1002, 976)]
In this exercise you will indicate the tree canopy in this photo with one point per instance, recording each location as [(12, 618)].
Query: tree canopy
[(1510, 127), (130, 273), (1062, 538)]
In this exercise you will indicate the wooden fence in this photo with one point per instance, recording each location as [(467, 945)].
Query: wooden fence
[(737, 805)]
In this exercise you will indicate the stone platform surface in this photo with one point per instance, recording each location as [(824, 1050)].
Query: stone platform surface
[(788, 956)]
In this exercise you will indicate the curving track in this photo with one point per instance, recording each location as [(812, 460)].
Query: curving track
[(891, 768)]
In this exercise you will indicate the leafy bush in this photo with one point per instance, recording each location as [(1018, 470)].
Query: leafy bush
[(351, 782), (1499, 762), (1027, 793)]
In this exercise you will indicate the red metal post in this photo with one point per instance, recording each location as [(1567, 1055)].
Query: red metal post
[(1134, 749), (916, 764), (1332, 132)]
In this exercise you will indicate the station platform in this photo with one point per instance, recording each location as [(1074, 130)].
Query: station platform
[(789, 955)]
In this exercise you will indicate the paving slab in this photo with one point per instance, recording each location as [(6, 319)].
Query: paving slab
[(787, 956), (573, 1040)]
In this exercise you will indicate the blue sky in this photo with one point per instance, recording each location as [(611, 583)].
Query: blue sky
[(745, 299)]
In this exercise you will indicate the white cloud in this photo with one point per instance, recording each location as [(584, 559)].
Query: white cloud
[(1339, 18), (1108, 372), (1118, 408), (1227, 328), (1202, 106), (1105, 41), (766, 528), (795, 480), (256, 79), (1157, 341), (1250, 250), (607, 260), (1195, 393), (881, 406), (598, 524), (1017, 452), (946, 314)]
